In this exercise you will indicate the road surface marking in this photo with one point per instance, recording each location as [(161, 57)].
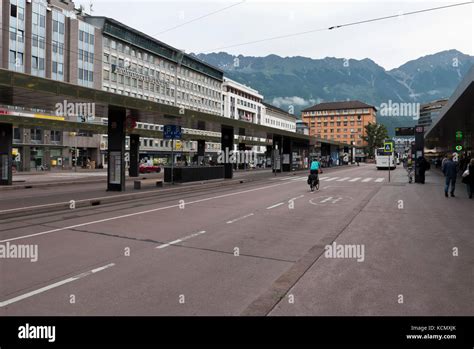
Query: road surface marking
[(143, 212), (380, 180), (56, 284), (367, 180), (174, 242), (276, 205), (355, 179), (240, 218), (298, 197), (343, 179), (327, 199), (338, 199), (322, 178), (331, 179)]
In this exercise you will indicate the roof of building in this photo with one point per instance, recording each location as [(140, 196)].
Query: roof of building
[(435, 104), (339, 106), (137, 38), (270, 106)]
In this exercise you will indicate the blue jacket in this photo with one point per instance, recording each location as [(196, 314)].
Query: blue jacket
[(450, 169)]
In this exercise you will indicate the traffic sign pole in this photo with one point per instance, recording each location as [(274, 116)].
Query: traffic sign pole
[(172, 161)]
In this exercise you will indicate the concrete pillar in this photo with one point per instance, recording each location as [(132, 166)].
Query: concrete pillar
[(6, 143), (227, 141), (116, 149), (133, 170), (277, 151), (26, 158), (201, 150), (287, 154)]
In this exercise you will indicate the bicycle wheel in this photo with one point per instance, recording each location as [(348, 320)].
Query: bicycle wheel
[(317, 185)]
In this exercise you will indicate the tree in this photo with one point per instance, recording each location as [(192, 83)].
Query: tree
[(375, 136)]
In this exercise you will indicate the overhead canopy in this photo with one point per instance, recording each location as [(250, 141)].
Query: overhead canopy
[(456, 115), (35, 92)]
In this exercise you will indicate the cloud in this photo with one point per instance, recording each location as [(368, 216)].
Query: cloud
[(294, 100)]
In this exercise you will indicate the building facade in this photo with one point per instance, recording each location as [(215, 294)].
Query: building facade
[(278, 118), (340, 121), (241, 102), (50, 39), (137, 65), (429, 112)]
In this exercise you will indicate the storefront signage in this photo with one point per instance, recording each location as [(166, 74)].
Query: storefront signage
[(135, 75)]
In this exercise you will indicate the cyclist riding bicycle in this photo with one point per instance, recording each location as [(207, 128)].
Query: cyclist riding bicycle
[(313, 172)]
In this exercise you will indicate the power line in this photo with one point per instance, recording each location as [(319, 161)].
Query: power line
[(199, 18), (339, 26)]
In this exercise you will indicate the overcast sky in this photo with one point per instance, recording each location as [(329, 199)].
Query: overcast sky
[(389, 43)]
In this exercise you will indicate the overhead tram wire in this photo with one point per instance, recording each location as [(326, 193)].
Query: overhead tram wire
[(95, 59), (199, 18), (340, 26)]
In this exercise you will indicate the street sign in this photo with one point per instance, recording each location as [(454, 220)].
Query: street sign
[(178, 145), (404, 131), (172, 132), (388, 147)]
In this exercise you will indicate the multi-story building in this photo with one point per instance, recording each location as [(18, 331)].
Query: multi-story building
[(340, 121), (241, 102), (53, 39), (429, 112), (278, 118), (135, 64), (50, 39), (302, 127)]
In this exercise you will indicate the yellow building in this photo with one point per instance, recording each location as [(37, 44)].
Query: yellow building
[(340, 121)]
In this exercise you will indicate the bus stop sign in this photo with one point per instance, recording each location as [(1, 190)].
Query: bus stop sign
[(388, 147), (172, 132)]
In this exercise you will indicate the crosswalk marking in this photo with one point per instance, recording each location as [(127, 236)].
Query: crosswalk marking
[(367, 179), (379, 180), (331, 179), (343, 179), (355, 179)]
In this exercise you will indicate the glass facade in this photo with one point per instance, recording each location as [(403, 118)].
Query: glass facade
[(57, 56), (16, 54), (38, 38), (86, 55)]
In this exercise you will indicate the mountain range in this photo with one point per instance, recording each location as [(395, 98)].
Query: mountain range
[(301, 81)]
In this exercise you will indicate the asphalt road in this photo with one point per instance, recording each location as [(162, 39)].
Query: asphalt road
[(254, 248)]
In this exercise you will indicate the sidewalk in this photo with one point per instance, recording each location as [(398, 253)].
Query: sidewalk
[(418, 258)]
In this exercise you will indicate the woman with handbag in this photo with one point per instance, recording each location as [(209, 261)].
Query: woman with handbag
[(468, 178)]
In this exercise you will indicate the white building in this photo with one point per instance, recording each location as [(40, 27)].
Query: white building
[(278, 118), (241, 102)]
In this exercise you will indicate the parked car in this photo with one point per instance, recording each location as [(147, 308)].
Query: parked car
[(144, 168)]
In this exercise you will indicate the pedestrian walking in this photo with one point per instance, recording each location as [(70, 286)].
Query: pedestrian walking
[(422, 166), (468, 178), (450, 172)]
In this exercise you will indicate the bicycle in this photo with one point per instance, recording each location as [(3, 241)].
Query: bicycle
[(314, 183)]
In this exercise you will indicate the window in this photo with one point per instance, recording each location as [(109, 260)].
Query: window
[(34, 62), (55, 136), (36, 134), (13, 10)]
